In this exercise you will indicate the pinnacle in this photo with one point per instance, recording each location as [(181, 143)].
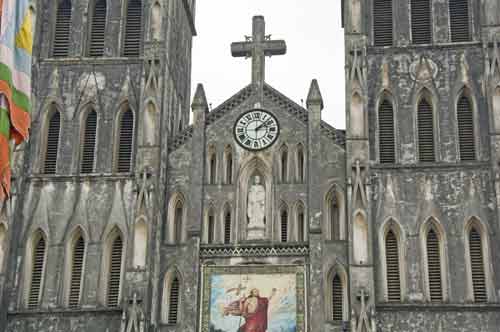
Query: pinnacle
[(314, 95), (200, 100)]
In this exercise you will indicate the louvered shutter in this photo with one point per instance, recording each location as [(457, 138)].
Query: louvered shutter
[(466, 129), (284, 226), (392, 265), (477, 266), (89, 140), (459, 21), (211, 228), (386, 133), (334, 219), (382, 22), (300, 226), (425, 132), (76, 273), (300, 164), (133, 25), (115, 271), (173, 307), (337, 299), (284, 166), (125, 142), (227, 228), (178, 222), (52, 148), (434, 267), (37, 273), (421, 29), (98, 29), (62, 29), (229, 168)]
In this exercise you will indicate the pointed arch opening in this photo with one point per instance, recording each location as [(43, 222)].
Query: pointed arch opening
[(133, 29), (334, 222), (140, 243), (360, 239), (156, 21), (357, 119), (36, 261), (301, 170), (337, 295), (125, 140), (425, 128), (88, 142), (386, 132), (113, 267), (210, 237), (421, 20), (393, 261), (52, 138), (477, 261), (284, 227), (212, 165), (284, 163), (75, 268), (301, 223), (150, 124), (62, 29), (97, 28), (228, 165), (176, 221), (465, 122), (227, 224), (434, 261), (171, 313)]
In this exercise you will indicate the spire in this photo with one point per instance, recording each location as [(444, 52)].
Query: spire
[(314, 96), (200, 100)]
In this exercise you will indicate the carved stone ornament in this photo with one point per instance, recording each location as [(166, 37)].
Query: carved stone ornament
[(423, 70)]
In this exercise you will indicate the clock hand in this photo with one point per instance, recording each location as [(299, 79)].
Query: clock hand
[(258, 127)]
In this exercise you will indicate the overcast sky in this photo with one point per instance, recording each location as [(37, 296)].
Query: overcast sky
[(314, 37)]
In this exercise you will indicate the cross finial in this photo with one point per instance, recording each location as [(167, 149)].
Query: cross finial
[(258, 47)]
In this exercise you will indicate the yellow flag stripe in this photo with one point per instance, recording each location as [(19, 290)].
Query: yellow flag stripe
[(24, 38)]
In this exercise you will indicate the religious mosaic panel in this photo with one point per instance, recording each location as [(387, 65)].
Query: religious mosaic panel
[(253, 299)]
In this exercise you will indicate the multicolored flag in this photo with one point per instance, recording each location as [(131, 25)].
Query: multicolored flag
[(16, 42)]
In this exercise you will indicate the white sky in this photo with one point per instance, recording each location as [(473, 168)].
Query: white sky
[(315, 49)]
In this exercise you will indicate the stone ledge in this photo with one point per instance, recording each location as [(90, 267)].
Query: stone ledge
[(257, 250), (442, 307)]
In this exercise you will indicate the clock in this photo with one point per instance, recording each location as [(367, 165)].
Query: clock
[(256, 130)]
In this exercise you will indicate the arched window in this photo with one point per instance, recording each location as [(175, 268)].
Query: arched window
[(125, 142), (76, 266), (87, 154), (301, 174), (360, 239), (97, 29), (210, 226), (173, 307), (114, 269), (227, 226), (382, 23), (156, 21), (62, 29), (284, 164), (357, 118), (337, 298), (228, 161), (393, 277), (421, 30), (477, 264), (434, 265), (133, 32), (212, 165), (37, 257), (52, 142), (425, 122), (178, 223), (459, 21), (284, 224), (301, 223), (3, 245), (140, 243), (465, 120), (334, 217), (386, 137)]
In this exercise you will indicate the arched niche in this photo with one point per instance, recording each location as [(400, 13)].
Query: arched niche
[(357, 116), (150, 123), (252, 168), (360, 239), (156, 21), (140, 243), (496, 108), (356, 15), (334, 216)]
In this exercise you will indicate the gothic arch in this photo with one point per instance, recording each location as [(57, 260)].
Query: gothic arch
[(357, 116), (249, 169), (284, 225), (141, 236), (156, 21), (88, 138), (150, 123), (424, 97), (300, 164), (52, 126), (477, 225), (334, 197), (210, 225), (391, 225), (386, 137), (472, 140), (432, 224), (73, 288), (34, 268), (337, 271), (360, 238), (167, 296), (212, 164), (109, 260), (176, 205), (124, 133), (301, 229), (284, 164), (228, 164), (226, 225)]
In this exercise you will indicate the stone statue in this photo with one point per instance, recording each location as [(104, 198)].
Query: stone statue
[(135, 320), (256, 210)]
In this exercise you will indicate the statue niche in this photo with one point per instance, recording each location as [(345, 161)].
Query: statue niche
[(256, 210)]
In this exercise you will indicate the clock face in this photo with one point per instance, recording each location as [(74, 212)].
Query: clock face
[(256, 130)]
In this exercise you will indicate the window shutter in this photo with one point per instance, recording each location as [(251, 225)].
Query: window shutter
[(173, 307), (52, 147), (284, 225), (76, 273), (115, 271), (133, 24), (229, 168), (382, 22), (98, 29), (459, 21), (477, 267), (334, 219), (300, 164), (60, 47), (227, 228), (392, 265), (211, 228), (37, 273), (300, 226), (434, 267), (178, 222), (425, 132), (284, 165), (89, 139), (386, 133), (466, 129), (125, 143), (337, 299), (421, 29)]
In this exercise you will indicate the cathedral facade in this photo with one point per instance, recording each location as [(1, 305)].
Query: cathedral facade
[(136, 208)]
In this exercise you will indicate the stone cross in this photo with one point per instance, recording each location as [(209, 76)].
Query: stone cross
[(258, 47)]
